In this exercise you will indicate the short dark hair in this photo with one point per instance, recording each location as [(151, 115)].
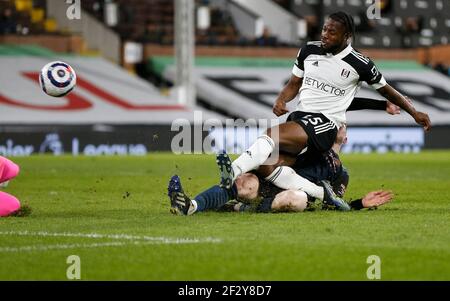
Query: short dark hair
[(346, 20)]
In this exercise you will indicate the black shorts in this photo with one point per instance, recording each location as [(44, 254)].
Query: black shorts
[(320, 130)]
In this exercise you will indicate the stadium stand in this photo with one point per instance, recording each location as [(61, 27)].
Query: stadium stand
[(151, 21), (25, 17), (26, 22), (401, 24)]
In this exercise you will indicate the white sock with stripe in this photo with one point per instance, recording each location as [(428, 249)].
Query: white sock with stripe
[(285, 177), (255, 156)]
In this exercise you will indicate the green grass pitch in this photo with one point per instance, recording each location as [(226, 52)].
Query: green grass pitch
[(113, 213)]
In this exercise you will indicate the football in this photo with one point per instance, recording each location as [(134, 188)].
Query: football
[(57, 79)]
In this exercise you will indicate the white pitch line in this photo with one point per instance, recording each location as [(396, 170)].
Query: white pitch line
[(57, 247), (112, 236), (129, 240), (93, 245)]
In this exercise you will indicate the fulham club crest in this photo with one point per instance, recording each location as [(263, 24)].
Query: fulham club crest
[(345, 73)]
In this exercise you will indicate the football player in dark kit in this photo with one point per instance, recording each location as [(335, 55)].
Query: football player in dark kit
[(326, 75)]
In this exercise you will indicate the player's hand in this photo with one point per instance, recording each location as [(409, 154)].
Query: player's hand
[(377, 198), (423, 120), (392, 108), (279, 108)]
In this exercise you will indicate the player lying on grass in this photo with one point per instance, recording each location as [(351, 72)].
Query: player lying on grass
[(9, 204), (261, 195), (258, 195)]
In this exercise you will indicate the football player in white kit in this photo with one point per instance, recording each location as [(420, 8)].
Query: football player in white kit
[(326, 75)]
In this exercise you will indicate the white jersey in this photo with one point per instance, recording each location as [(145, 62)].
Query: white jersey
[(330, 82)]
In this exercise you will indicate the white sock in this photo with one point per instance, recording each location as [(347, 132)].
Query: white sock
[(193, 207), (286, 178), (255, 156)]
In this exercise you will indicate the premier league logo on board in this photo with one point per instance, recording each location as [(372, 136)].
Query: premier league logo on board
[(345, 73), (52, 144)]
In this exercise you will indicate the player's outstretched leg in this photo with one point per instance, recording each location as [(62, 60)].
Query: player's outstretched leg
[(179, 201), (331, 198), (290, 137), (226, 172)]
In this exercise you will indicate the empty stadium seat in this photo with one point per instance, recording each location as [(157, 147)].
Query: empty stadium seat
[(23, 5)]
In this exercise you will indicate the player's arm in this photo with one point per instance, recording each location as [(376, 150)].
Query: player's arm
[(361, 103), (372, 199), (398, 99), (287, 94), (369, 73), (294, 84)]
